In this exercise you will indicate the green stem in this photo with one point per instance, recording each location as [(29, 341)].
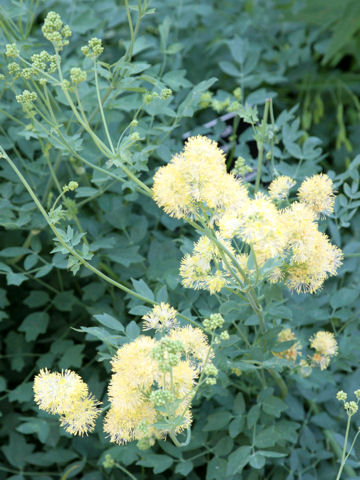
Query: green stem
[(123, 469), (181, 444), (131, 28), (101, 107), (260, 145), (343, 456)]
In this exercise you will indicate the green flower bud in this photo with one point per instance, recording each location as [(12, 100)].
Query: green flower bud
[(210, 369), (205, 99), (224, 335), (14, 68), (161, 397), (341, 396), (109, 462), (26, 97), (210, 381), (11, 50), (77, 75), (351, 407), (135, 136), (94, 48), (165, 93), (148, 97), (28, 73)]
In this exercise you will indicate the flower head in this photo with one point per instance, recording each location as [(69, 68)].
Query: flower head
[(161, 317), (317, 193), (67, 395), (291, 353), (280, 187), (324, 343)]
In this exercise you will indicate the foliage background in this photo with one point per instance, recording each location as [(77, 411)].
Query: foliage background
[(305, 55)]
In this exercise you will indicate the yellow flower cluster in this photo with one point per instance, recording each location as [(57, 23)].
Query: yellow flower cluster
[(325, 347), (161, 317), (291, 353), (322, 342), (280, 187), (194, 178), (67, 395), (195, 185), (139, 384)]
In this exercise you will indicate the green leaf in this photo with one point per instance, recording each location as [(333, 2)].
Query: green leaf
[(36, 425), (34, 324), (64, 301), (184, 467), (142, 288), (238, 459), (257, 460), (37, 298), (217, 420), (15, 278), (344, 297), (159, 463), (109, 322), (72, 357), (274, 406), (17, 450), (22, 393)]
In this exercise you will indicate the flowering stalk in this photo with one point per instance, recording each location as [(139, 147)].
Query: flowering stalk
[(351, 409)]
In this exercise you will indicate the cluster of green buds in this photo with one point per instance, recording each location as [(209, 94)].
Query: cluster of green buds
[(240, 167), (206, 99), (55, 31), (11, 50), (350, 407), (161, 397), (168, 353), (211, 372), (26, 100), (211, 324), (14, 69), (228, 104), (77, 75), (93, 49), (43, 62), (214, 322), (165, 94), (70, 187), (109, 462)]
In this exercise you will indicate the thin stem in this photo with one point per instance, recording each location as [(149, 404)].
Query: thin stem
[(260, 144), (131, 28), (123, 469), (101, 107), (343, 456)]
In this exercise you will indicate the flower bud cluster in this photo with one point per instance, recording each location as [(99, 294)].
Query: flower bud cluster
[(168, 353), (14, 69), (11, 50), (71, 186), (214, 322), (44, 62), (55, 31), (109, 462), (77, 75), (26, 100), (165, 94), (351, 407), (93, 49), (341, 396), (161, 397)]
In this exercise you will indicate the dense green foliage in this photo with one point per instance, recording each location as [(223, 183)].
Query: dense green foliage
[(303, 55)]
